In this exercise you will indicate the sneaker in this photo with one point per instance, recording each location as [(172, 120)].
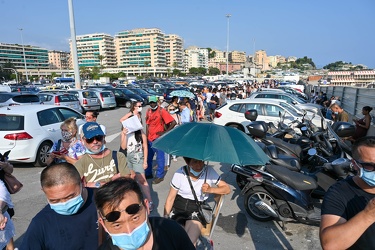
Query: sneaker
[(151, 206), (157, 180), (166, 168)]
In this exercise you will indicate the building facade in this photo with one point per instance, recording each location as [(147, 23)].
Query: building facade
[(352, 78), (196, 58), (36, 57), (237, 57), (140, 49), (174, 51), (95, 50), (261, 59), (59, 59), (219, 57)]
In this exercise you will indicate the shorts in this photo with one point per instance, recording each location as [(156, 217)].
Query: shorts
[(135, 162), (185, 209), (211, 111)]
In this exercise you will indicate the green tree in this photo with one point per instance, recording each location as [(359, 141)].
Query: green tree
[(84, 72), (193, 71), (213, 71), (211, 53), (202, 71), (176, 72)]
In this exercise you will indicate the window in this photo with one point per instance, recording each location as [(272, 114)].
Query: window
[(273, 110), (11, 122), (246, 106), (235, 107), (48, 117), (67, 113)]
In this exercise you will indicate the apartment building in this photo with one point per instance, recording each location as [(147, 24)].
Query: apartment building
[(95, 50), (141, 48), (261, 59), (36, 57), (59, 59), (219, 57), (237, 57), (174, 51), (196, 58)]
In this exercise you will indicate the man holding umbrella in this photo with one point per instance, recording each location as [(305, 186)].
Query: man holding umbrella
[(158, 121)]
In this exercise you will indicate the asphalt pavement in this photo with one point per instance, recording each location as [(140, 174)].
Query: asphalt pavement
[(235, 229)]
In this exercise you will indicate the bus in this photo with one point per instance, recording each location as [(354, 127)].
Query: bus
[(63, 81)]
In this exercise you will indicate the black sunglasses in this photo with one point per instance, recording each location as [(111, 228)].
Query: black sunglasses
[(369, 166), (97, 138), (115, 215)]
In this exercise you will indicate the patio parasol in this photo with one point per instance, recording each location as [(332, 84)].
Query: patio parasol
[(211, 142)]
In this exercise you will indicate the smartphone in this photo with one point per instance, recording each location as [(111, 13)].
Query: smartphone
[(56, 152)]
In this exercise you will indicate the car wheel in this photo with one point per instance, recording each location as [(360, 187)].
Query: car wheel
[(236, 127), (254, 195), (128, 104), (42, 154)]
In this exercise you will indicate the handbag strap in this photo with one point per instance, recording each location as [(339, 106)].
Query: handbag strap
[(191, 186)]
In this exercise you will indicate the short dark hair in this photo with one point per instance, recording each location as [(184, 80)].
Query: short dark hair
[(94, 113), (112, 193), (59, 174), (367, 108), (367, 141)]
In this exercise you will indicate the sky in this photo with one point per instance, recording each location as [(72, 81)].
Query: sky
[(324, 30)]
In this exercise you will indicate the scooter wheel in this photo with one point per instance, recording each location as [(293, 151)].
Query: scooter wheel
[(258, 194), (241, 181)]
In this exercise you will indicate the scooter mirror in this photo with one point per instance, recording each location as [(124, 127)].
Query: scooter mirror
[(304, 129), (311, 151)]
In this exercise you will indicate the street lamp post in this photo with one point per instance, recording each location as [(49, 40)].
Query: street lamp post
[(77, 78), (227, 55), (24, 55)]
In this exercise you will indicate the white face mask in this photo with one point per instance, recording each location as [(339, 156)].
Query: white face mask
[(139, 109)]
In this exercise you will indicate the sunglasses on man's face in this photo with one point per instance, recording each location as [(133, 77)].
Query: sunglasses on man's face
[(115, 215), (369, 166), (97, 138)]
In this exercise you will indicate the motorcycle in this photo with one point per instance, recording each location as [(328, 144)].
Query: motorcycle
[(275, 192)]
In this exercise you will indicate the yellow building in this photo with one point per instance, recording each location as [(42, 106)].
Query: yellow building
[(261, 59), (237, 57)]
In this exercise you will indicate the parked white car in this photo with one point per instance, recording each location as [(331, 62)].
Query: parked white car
[(233, 112), (30, 130)]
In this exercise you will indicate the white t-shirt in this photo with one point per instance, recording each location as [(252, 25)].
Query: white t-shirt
[(180, 182)]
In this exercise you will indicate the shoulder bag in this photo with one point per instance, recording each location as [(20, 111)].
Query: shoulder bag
[(12, 183), (203, 208)]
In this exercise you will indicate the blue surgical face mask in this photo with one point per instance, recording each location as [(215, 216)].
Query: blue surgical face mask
[(69, 207), (367, 176), (336, 113), (195, 173), (133, 240), (88, 151)]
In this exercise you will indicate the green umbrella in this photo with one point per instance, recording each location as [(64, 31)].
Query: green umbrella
[(211, 142)]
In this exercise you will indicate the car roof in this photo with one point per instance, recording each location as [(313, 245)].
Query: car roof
[(27, 108), (258, 100)]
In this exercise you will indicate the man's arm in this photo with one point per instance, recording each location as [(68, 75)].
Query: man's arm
[(338, 233)]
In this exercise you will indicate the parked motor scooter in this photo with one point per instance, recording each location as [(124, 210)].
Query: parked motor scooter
[(275, 192)]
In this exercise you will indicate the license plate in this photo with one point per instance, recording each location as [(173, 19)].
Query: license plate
[(94, 100)]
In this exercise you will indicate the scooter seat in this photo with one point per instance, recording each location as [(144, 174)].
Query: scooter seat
[(287, 161), (293, 179), (294, 148)]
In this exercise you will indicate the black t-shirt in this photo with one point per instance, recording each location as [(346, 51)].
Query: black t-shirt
[(168, 234), (346, 199)]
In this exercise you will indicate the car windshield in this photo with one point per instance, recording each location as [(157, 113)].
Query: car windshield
[(26, 98), (292, 109), (152, 92), (127, 91)]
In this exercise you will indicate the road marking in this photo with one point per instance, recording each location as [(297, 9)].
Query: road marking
[(110, 138)]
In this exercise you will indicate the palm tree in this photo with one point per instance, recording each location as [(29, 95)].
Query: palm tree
[(101, 58)]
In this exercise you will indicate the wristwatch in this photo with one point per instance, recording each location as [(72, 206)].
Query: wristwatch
[(97, 184)]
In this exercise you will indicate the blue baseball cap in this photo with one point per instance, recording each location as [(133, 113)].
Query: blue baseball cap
[(91, 129)]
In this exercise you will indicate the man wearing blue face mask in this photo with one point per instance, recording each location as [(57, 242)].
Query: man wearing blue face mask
[(99, 164), (348, 209), (123, 213), (69, 221)]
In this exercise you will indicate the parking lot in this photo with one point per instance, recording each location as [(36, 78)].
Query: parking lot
[(234, 230)]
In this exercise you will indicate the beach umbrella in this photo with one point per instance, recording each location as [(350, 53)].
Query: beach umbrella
[(182, 93)]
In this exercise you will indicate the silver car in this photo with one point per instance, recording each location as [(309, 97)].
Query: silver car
[(60, 99), (87, 99), (106, 98)]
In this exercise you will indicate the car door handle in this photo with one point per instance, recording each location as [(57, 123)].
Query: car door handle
[(51, 129)]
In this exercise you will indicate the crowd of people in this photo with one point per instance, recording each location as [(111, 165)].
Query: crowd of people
[(99, 197)]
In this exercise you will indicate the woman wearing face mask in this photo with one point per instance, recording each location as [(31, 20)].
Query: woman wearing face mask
[(68, 148), (180, 204)]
